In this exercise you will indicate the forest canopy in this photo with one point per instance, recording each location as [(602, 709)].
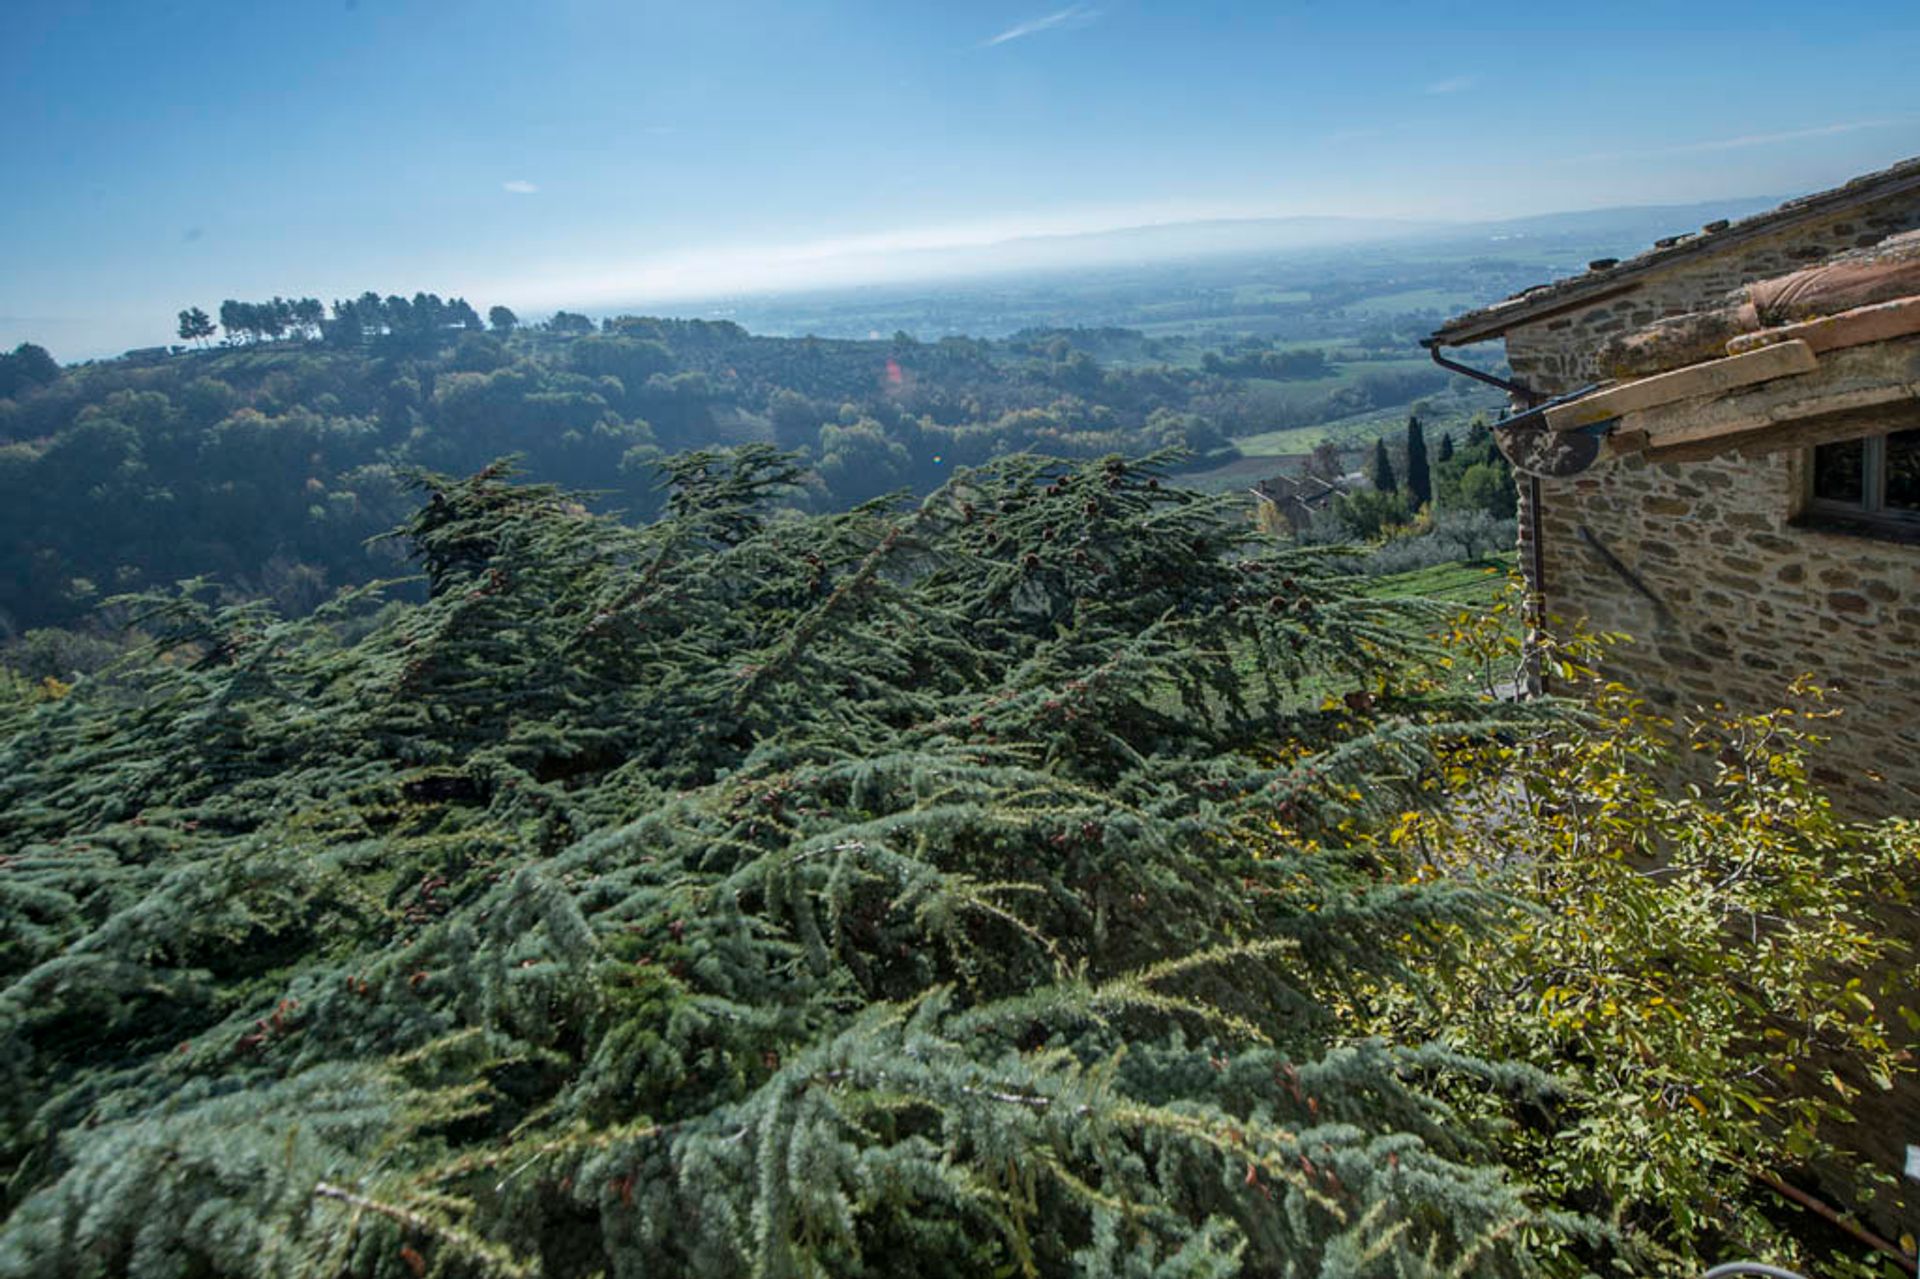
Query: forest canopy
[(269, 462)]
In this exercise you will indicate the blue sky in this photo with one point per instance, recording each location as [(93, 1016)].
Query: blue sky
[(574, 152)]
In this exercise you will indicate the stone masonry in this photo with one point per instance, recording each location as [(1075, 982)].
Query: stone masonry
[(1727, 595)]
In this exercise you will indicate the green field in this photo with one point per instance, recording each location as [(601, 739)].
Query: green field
[(1473, 583), (1289, 441), (1441, 412), (1358, 430)]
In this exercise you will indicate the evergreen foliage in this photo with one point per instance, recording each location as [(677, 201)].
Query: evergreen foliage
[(1381, 473), (1475, 478), (1364, 515), (195, 325), (1419, 477), (26, 368), (260, 321), (267, 462), (959, 888)]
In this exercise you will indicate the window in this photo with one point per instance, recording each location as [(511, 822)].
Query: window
[(1872, 482)]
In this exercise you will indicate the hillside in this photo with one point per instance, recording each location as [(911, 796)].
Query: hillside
[(266, 463), (270, 464)]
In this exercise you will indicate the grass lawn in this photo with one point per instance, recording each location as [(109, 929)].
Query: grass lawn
[(1285, 442)]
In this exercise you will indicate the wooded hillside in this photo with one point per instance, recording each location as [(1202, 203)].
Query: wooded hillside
[(266, 464)]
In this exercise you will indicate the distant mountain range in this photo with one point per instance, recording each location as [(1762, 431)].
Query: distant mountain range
[(1555, 241), (846, 279), (1289, 233), (1170, 240), (1225, 275), (1219, 235), (1629, 227), (1640, 224)]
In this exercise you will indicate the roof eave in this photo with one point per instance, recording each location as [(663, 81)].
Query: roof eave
[(1488, 327), (1598, 286)]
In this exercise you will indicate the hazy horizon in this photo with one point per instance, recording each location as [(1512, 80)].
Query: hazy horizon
[(697, 283), (593, 154), (1031, 257)]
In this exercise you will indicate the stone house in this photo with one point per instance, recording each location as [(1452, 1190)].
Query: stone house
[(1296, 499), (1720, 441)]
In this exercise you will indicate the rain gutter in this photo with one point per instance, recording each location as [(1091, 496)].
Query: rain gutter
[(1536, 554)]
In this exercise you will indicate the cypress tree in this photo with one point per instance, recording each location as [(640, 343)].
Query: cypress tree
[(959, 887), (1382, 472), (1419, 478), (1445, 452)]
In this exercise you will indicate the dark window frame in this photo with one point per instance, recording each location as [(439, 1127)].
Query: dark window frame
[(1870, 516)]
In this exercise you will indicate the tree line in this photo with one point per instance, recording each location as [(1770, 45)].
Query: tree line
[(268, 462), (1404, 491), (357, 321), (353, 321), (1303, 364)]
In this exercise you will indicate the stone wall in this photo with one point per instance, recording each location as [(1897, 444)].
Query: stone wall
[(1703, 563)]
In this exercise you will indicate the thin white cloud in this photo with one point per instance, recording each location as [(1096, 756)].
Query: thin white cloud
[(1078, 15), (1743, 141), (1454, 84), (519, 186)]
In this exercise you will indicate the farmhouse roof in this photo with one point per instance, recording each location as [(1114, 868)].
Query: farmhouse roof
[(1308, 489), (1608, 278), (1785, 362)]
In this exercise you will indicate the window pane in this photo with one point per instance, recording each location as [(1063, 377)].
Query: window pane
[(1903, 471), (1839, 471)]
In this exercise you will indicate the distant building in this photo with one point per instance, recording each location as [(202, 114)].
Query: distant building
[(1734, 476), (1298, 498)]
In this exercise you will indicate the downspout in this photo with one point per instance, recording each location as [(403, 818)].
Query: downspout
[(1537, 567), (1525, 394)]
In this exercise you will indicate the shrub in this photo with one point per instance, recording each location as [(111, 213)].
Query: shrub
[(1369, 513), (1713, 967), (1449, 537)]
